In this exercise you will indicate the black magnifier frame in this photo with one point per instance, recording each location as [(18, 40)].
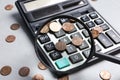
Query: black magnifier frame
[(57, 73)]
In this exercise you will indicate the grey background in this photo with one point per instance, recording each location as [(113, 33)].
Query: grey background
[(21, 52)]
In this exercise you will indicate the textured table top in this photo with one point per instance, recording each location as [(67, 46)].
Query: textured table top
[(21, 52)]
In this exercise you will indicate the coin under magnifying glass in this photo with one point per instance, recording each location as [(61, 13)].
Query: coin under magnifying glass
[(15, 26), (45, 29), (77, 41), (55, 26), (41, 66), (60, 46), (67, 26), (98, 28), (95, 33), (105, 75)]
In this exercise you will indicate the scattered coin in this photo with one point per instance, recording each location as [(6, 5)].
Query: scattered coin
[(10, 38), (77, 41), (38, 77), (98, 28), (105, 75), (95, 33), (41, 66), (45, 29), (24, 71), (55, 27), (64, 78), (67, 26), (6, 70), (61, 46), (15, 26), (9, 7)]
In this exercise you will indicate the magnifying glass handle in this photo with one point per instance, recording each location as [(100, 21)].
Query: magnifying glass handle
[(108, 57)]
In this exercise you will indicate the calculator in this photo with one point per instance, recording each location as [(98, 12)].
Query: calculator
[(36, 12)]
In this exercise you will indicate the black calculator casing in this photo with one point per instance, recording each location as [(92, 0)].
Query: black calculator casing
[(71, 7)]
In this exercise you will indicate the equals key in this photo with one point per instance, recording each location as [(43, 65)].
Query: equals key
[(113, 36)]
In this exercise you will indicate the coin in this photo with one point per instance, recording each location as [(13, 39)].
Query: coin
[(10, 38), (95, 33), (105, 75), (55, 27), (61, 46), (24, 71), (6, 70), (45, 29), (67, 26), (15, 26), (9, 7), (99, 29), (41, 66), (77, 41), (64, 78), (38, 77), (72, 20)]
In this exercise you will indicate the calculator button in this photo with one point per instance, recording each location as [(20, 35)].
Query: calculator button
[(105, 27), (63, 20), (113, 36), (66, 40), (98, 48), (99, 21), (60, 33), (105, 41), (62, 63), (85, 18), (90, 24), (79, 25), (93, 15), (55, 55), (71, 49), (76, 58), (76, 35), (84, 45), (44, 38), (86, 53), (50, 46), (85, 33)]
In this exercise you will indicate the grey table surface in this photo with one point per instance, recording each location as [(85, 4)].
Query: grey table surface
[(21, 52)]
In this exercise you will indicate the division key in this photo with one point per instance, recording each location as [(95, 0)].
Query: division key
[(105, 41)]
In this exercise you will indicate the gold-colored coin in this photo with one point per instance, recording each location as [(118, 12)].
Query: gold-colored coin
[(15, 26), (55, 26), (6, 70), (64, 78), (38, 77), (95, 33), (98, 28), (9, 7), (41, 66), (45, 29), (105, 75), (60, 46), (10, 38), (77, 41), (67, 26)]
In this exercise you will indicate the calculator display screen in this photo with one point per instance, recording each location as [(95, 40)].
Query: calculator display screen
[(35, 4)]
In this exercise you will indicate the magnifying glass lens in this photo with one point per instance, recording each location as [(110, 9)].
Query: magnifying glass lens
[(65, 43)]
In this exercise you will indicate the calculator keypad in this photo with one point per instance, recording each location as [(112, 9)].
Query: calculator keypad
[(73, 56)]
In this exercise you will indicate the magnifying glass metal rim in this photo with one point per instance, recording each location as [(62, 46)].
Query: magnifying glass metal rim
[(92, 49)]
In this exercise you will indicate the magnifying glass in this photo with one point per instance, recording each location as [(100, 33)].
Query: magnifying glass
[(60, 44)]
